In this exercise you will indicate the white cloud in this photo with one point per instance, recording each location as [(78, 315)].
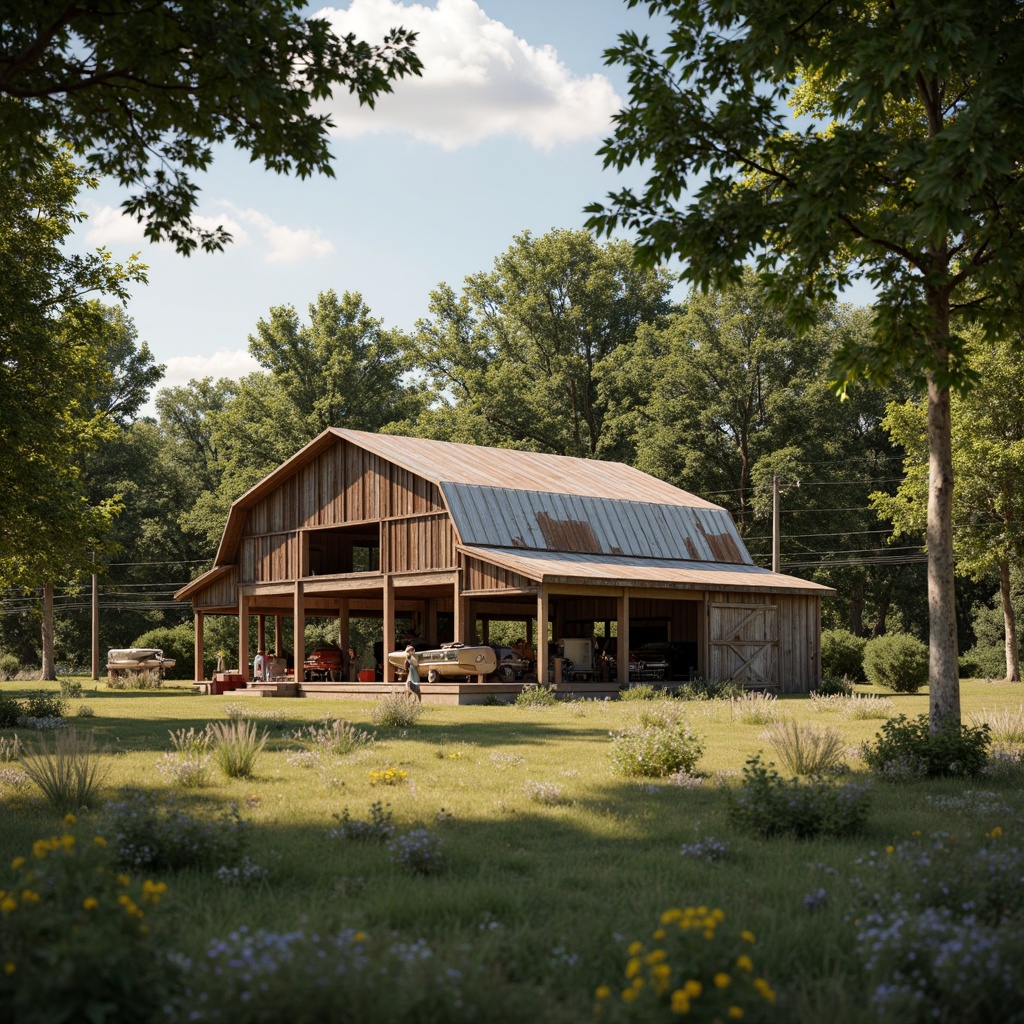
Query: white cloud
[(285, 244), (280, 243), (479, 80), (225, 362)]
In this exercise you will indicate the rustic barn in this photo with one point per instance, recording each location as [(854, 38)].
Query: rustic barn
[(453, 536)]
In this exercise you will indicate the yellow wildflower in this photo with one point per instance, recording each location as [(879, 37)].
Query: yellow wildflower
[(744, 963), (90, 903), (69, 820), (9, 968), (996, 832), (29, 896), (680, 1001), (671, 915), (67, 841), (635, 948), (765, 989), (99, 841), (17, 863), (658, 935), (735, 1012), (722, 980), (693, 988), (633, 967), (655, 956), (40, 848), (359, 937), (629, 994), (124, 880), (709, 933), (718, 915), (602, 992), (8, 903), (747, 936), (152, 891), (890, 849)]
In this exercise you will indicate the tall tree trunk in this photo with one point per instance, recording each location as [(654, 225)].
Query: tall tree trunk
[(1009, 624), (857, 609), (943, 666), (49, 668)]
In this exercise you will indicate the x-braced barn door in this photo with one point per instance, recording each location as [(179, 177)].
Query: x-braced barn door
[(743, 642)]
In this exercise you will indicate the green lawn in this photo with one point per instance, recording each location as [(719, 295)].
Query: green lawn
[(551, 893)]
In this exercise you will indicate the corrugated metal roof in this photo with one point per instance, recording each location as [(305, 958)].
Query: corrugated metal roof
[(547, 567), (448, 462), (494, 516)]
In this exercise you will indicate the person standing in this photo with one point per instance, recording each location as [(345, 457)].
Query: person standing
[(412, 672), (257, 667)]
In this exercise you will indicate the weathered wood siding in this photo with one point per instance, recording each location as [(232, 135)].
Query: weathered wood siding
[(425, 542), (221, 593), (268, 558), (790, 634), (479, 575), (342, 485)]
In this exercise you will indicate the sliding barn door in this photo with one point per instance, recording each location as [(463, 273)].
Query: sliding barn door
[(743, 642)]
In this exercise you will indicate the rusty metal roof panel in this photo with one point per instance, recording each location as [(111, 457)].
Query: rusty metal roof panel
[(572, 567), (491, 516), (448, 462)]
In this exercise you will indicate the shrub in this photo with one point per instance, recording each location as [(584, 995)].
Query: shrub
[(908, 748), (655, 751), (418, 852), (83, 943), (534, 695), (690, 965), (397, 711), (549, 793), (10, 711), (768, 805), (70, 774), (378, 829), (70, 688), (178, 642), (755, 708), (148, 833), (842, 654), (85, 711), (709, 689), (806, 749), (9, 666), (639, 691), (897, 662), (44, 705), (236, 747), (835, 685), (661, 712)]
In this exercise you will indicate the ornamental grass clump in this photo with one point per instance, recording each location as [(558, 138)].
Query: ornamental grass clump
[(1006, 726), (755, 708), (334, 736), (806, 749), (655, 751), (188, 765), (150, 833), (639, 691), (69, 773), (11, 748), (78, 940), (397, 711), (767, 805), (691, 968), (236, 746), (864, 706)]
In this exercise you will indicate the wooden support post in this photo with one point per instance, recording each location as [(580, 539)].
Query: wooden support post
[(458, 624), (622, 643), (261, 633), (200, 672), (299, 631), (389, 626), (486, 627), (343, 630), (542, 635), (243, 636), (278, 647)]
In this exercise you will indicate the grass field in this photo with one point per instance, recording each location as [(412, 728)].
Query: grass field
[(553, 863)]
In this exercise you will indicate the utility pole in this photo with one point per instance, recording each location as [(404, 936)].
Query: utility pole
[(95, 622), (776, 529)]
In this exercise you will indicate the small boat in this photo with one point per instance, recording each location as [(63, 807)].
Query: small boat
[(453, 661), (137, 659)]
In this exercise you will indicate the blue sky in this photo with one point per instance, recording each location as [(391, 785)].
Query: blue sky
[(499, 136)]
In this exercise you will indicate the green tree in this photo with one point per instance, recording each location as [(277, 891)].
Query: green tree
[(988, 462), (343, 369), (898, 160), (143, 91), (517, 357)]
